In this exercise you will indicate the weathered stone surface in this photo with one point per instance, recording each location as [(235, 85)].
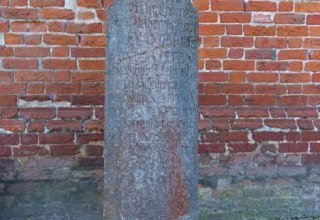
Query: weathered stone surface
[(151, 111)]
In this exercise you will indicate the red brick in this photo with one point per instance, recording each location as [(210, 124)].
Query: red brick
[(93, 88), (285, 6), (292, 31), (307, 7), (220, 124), (94, 125), (59, 64), (281, 123), (31, 51), (213, 77), (270, 89), (213, 64), (56, 138), (33, 26), (234, 29), (14, 63), (11, 39), (64, 14), (63, 88), (13, 125), (36, 126), (6, 51), (207, 100), (90, 138), (4, 26), (293, 100), (9, 139), (293, 147), (237, 77), (217, 112), (208, 17), (12, 88), (312, 43), (47, 3), (92, 64), (83, 28), (302, 112), (314, 31), (8, 100), (235, 100), (263, 42), (315, 147), (211, 29), (211, 148), (19, 2), (86, 15), (19, 13), (238, 65), (58, 39), (252, 112), (88, 52), (37, 113), (212, 89), (294, 77), (25, 151), (29, 139), (310, 136), (88, 76), (268, 136), (235, 17), (238, 88), (310, 159), (261, 54), (5, 151), (238, 136), (56, 26), (6, 76), (227, 5), (271, 65), (32, 39), (201, 5), (263, 77), (87, 100), (296, 66), (293, 55), (240, 124), (289, 18), (259, 30), (261, 6), (94, 150), (312, 66), (305, 124), (93, 41), (63, 126), (237, 148), (211, 41), (295, 42), (260, 100), (236, 53), (90, 4), (236, 41), (64, 150), (311, 89), (60, 52)]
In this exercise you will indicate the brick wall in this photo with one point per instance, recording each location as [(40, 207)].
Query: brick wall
[(259, 96)]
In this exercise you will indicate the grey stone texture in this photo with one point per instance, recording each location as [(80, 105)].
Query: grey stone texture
[(151, 110)]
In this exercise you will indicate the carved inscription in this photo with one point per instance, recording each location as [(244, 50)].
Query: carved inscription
[(151, 110)]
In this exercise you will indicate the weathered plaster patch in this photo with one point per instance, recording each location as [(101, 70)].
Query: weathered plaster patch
[(35, 103), (3, 131)]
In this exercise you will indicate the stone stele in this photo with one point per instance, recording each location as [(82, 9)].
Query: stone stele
[(151, 111)]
